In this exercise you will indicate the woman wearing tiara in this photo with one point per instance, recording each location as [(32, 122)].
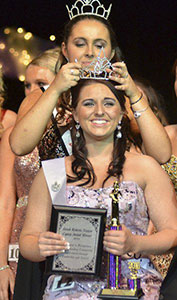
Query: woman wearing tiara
[(101, 157), (84, 36)]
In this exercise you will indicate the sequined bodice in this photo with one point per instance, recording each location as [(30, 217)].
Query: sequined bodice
[(26, 167), (134, 214), (132, 204), (171, 168), (50, 145)]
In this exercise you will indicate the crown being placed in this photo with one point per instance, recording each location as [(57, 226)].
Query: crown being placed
[(88, 7), (97, 68)]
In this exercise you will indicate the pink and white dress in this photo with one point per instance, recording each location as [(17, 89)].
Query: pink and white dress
[(134, 214)]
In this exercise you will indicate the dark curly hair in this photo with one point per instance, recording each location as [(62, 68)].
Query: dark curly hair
[(81, 166)]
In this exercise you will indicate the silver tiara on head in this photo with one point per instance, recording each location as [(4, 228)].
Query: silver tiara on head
[(88, 7), (97, 68)]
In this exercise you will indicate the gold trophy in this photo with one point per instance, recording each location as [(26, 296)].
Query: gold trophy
[(113, 290)]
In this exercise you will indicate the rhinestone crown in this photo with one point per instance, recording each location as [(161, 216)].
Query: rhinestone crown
[(88, 7)]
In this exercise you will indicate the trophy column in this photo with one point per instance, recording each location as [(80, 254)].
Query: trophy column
[(114, 263), (113, 290)]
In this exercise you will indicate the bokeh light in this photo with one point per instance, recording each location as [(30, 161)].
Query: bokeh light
[(52, 37)]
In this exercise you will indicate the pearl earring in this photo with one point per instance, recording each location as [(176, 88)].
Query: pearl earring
[(119, 133), (77, 129)]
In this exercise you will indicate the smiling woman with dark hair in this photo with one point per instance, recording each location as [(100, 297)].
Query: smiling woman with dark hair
[(100, 145)]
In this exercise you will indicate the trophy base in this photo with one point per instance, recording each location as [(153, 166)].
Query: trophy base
[(120, 294)]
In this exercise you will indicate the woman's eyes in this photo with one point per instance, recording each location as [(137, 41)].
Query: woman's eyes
[(92, 103), (41, 84), (82, 44), (100, 45), (109, 103), (88, 103), (27, 85)]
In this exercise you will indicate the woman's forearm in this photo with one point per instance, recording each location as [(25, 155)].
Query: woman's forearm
[(158, 243), (29, 247), (32, 124), (30, 127), (7, 194), (6, 219), (156, 142)]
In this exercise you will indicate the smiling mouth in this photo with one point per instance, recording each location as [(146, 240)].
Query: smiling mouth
[(99, 122), (86, 63)]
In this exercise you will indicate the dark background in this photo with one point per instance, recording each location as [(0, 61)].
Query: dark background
[(146, 31)]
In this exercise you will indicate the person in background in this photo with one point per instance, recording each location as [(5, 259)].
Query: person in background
[(157, 105), (172, 130), (168, 288), (84, 36), (16, 178), (7, 117), (172, 102), (174, 71), (40, 70), (101, 157)]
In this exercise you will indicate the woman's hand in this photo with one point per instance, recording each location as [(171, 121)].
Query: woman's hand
[(67, 77), (7, 279), (51, 243), (120, 75), (119, 242)]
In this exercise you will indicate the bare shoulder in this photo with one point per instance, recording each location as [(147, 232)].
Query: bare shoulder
[(171, 130), (5, 145), (141, 160), (9, 118), (7, 133), (6, 158), (28, 102), (172, 133), (11, 114), (140, 168)]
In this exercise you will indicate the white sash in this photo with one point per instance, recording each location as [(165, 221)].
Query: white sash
[(66, 137), (55, 175)]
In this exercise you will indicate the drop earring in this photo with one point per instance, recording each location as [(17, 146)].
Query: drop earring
[(77, 129), (119, 133)]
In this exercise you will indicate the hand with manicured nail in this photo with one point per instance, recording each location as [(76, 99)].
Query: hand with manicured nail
[(51, 243), (67, 77), (120, 75)]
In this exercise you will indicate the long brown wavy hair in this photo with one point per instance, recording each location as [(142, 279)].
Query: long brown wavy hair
[(81, 166)]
